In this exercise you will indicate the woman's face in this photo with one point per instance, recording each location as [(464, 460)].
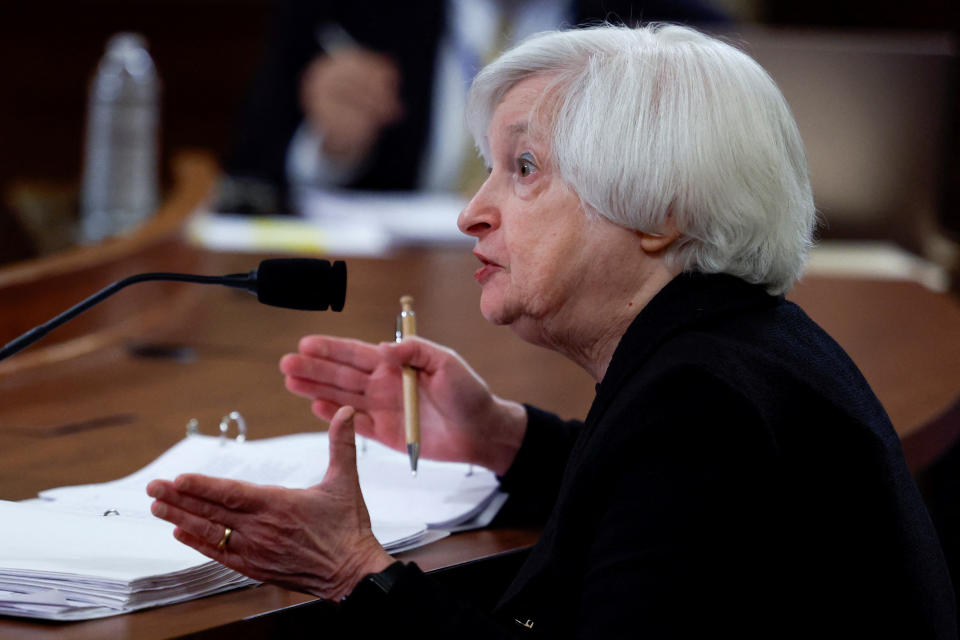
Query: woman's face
[(541, 256)]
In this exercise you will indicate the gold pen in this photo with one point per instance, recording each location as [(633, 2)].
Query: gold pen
[(407, 326)]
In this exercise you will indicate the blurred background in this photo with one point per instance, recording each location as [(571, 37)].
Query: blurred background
[(874, 87)]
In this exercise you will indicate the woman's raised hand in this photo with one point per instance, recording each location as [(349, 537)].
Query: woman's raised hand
[(460, 419)]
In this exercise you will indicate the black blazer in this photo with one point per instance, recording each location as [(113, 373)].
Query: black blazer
[(735, 474), (408, 32)]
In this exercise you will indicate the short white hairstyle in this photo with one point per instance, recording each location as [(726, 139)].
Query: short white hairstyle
[(661, 120)]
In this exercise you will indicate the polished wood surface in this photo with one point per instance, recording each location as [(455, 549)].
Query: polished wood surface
[(106, 411), (903, 337)]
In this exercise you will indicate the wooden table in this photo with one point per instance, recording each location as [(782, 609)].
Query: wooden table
[(111, 409), (93, 409)]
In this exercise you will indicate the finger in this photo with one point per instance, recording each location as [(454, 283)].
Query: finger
[(324, 371), (230, 557), (414, 351), (343, 448), (363, 424), (359, 355), (167, 494), (303, 388), (211, 533), (234, 495), (226, 556), (315, 391), (199, 544), (155, 487), (325, 410)]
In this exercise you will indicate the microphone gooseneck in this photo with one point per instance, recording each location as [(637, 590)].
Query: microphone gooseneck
[(294, 283)]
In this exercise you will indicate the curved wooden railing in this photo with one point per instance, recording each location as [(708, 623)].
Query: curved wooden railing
[(33, 291)]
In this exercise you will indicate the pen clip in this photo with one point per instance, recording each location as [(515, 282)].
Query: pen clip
[(399, 331)]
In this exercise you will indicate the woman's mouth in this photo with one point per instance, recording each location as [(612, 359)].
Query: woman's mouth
[(487, 269)]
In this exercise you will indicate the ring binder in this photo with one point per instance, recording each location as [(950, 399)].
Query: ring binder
[(233, 416), (193, 427)]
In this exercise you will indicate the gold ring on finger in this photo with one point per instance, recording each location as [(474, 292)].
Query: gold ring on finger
[(225, 540)]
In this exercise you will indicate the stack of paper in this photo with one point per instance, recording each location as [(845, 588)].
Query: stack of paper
[(443, 495), (63, 559), (66, 566), (72, 566)]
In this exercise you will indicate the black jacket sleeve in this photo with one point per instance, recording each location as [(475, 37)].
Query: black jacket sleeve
[(668, 538), (534, 478), (679, 520), (417, 607)]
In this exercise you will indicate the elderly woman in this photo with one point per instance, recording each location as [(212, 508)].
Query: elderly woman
[(647, 206)]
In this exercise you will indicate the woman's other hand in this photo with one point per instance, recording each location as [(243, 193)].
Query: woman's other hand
[(460, 419), (316, 540)]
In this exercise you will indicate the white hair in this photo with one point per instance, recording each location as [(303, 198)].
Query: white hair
[(663, 121)]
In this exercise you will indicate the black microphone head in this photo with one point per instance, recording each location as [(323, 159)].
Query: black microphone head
[(302, 283)]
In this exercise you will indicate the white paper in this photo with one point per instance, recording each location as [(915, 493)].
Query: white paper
[(442, 494), (225, 232), (38, 539), (61, 558), (405, 217), (341, 222), (65, 565)]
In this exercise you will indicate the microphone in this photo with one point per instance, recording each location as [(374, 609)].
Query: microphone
[(293, 283), (301, 283)]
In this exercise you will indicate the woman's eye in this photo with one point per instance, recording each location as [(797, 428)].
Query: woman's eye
[(525, 165)]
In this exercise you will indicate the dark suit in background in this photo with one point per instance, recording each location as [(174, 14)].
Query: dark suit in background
[(407, 32), (735, 476)]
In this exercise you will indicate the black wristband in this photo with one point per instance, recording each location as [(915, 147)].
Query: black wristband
[(385, 579), (374, 587)]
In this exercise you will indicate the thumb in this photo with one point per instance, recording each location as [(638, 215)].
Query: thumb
[(343, 447), (413, 351)]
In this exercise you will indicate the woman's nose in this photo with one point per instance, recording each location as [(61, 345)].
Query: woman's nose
[(481, 214)]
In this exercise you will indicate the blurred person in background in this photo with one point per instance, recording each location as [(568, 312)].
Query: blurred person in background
[(371, 95)]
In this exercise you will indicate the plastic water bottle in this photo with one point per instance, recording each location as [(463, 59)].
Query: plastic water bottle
[(120, 174)]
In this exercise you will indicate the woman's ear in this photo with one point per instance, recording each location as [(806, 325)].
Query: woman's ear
[(657, 242)]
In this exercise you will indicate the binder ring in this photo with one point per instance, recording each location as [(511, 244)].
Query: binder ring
[(233, 416)]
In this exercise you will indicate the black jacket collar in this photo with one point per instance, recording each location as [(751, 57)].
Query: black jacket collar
[(687, 300)]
